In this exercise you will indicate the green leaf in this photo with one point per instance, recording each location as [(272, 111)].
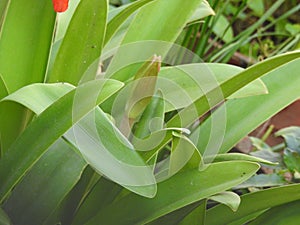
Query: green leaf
[(102, 194), (286, 214), (256, 109), (217, 94), (65, 212), (63, 20), (181, 190), (4, 220), (82, 43), (230, 199), (23, 57), (110, 153), (17, 161), (114, 142), (31, 44), (252, 203), (186, 81), (37, 97), (115, 23), (164, 10), (151, 29), (45, 185)]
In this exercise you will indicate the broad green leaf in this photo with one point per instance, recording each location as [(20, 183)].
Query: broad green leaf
[(104, 147), (63, 20), (23, 57), (82, 43), (37, 97), (151, 29), (121, 159), (287, 214), (4, 220), (230, 199), (17, 161), (114, 24), (45, 185), (181, 190), (30, 44), (102, 194), (164, 10), (217, 95), (256, 109), (187, 81), (252, 203)]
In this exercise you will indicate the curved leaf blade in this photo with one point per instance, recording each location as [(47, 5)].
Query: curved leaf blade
[(182, 189), (37, 139), (217, 95), (256, 108), (252, 203)]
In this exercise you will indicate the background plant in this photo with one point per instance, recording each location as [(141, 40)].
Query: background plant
[(52, 63)]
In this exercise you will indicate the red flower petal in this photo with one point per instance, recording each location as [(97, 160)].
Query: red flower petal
[(60, 5)]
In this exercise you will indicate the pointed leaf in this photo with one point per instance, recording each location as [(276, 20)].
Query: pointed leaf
[(254, 110), (82, 43), (23, 57), (45, 185), (231, 199), (119, 19), (217, 94)]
